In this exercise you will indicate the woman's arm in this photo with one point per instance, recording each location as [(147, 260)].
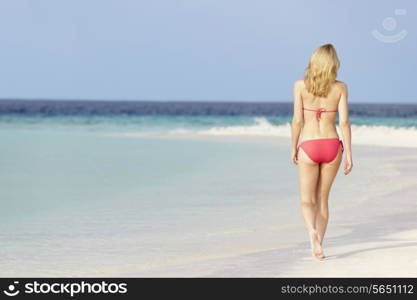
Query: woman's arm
[(297, 120), (344, 125)]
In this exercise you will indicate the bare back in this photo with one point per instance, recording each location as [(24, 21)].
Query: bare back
[(324, 126)]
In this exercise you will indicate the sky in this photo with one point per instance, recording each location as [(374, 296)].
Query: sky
[(218, 50)]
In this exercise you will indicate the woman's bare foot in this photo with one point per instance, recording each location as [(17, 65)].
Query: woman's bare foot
[(317, 250)]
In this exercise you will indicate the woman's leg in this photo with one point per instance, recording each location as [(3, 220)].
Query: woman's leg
[(327, 174), (308, 176)]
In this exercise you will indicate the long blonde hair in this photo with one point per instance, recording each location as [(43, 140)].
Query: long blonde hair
[(321, 71)]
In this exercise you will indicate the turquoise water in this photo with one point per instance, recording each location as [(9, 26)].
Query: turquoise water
[(128, 123), (86, 203), (80, 199)]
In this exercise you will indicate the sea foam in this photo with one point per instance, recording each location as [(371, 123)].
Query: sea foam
[(361, 134)]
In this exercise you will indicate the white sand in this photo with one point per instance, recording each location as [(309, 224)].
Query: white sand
[(374, 235)]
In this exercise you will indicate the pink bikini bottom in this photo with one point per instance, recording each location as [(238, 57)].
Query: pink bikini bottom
[(321, 150)]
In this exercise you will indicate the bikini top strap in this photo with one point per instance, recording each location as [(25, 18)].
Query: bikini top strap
[(319, 111)]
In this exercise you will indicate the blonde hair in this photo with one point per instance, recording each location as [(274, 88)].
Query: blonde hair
[(321, 71)]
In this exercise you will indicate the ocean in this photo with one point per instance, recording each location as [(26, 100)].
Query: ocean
[(100, 188), (221, 118)]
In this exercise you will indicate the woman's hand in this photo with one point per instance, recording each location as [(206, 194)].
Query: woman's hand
[(348, 164), (294, 158)]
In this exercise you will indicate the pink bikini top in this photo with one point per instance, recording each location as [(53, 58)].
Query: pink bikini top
[(319, 111)]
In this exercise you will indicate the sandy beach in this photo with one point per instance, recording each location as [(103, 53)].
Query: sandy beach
[(373, 234), (196, 205)]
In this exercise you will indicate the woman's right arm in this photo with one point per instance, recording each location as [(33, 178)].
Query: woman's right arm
[(344, 124), (297, 120)]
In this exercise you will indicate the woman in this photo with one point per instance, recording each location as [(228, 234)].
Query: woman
[(317, 100)]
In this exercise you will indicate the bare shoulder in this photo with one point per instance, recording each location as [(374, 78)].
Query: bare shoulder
[(341, 86), (299, 84)]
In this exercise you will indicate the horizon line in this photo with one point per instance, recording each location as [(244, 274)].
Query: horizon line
[(179, 101)]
